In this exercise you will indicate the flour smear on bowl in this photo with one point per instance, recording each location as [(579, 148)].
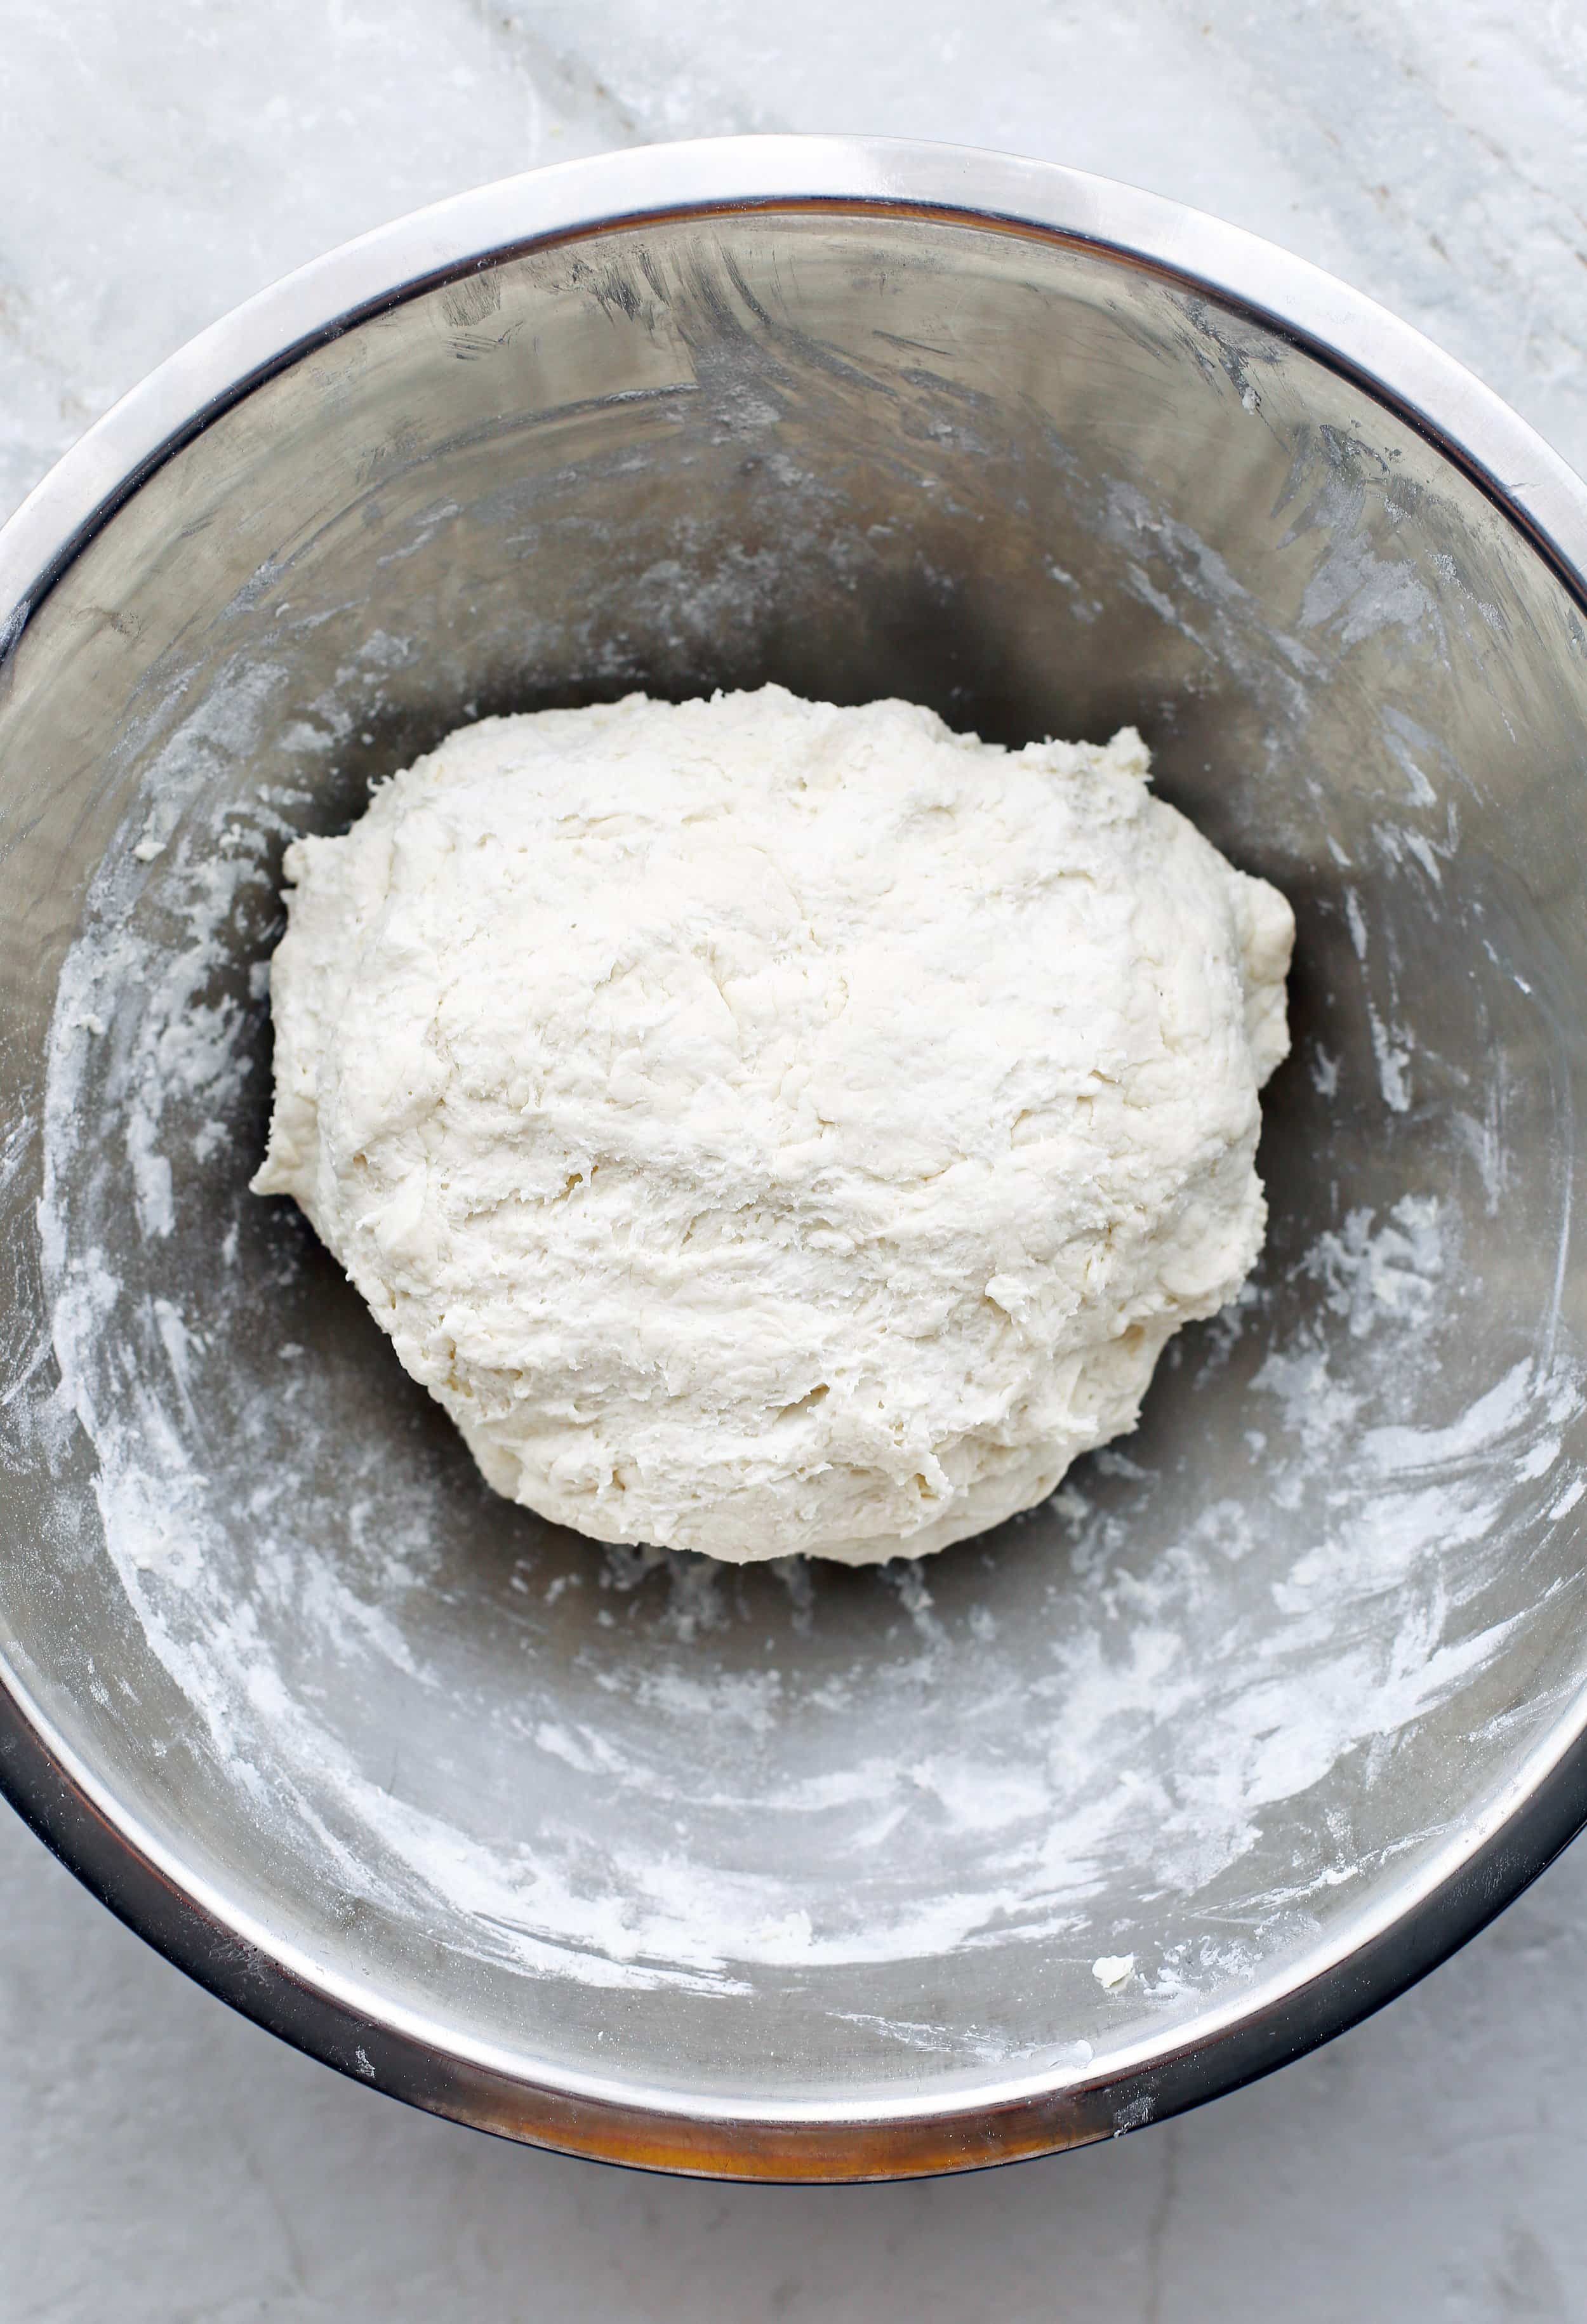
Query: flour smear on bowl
[(1202, 1671)]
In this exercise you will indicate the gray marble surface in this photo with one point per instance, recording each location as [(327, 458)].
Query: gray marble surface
[(160, 2160)]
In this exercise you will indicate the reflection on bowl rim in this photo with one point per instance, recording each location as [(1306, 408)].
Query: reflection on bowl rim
[(1373, 1953)]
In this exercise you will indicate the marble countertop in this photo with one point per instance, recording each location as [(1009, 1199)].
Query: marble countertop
[(161, 2160)]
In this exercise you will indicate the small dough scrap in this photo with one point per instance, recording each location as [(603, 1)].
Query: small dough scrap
[(774, 1128)]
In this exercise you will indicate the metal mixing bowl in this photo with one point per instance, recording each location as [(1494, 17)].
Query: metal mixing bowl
[(800, 1872)]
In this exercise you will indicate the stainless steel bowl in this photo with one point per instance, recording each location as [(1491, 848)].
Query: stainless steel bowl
[(802, 1873)]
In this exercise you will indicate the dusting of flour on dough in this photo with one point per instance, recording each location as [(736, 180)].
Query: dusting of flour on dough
[(772, 1128)]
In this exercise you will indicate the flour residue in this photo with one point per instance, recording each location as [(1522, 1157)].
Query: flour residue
[(1109, 1702)]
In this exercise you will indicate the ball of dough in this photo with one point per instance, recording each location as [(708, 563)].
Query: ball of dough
[(766, 1127)]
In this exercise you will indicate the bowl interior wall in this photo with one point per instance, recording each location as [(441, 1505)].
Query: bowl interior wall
[(798, 1831)]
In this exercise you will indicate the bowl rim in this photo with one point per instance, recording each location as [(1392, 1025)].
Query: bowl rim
[(945, 2125)]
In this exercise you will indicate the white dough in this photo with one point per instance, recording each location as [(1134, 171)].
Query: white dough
[(768, 1126)]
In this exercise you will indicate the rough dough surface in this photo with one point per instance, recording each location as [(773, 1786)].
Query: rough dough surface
[(768, 1126)]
